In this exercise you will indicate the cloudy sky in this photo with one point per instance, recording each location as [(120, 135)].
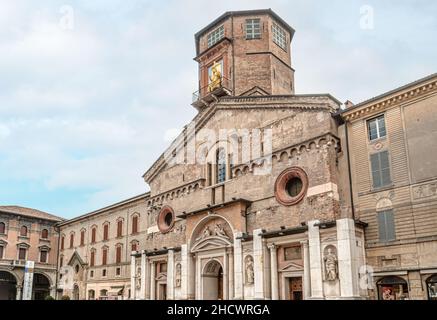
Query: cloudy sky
[(91, 92)]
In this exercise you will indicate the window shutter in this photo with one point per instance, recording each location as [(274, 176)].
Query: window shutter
[(382, 227), (374, 161), (385, 168), (386, 226)]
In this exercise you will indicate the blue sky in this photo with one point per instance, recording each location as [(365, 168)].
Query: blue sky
[(84, 111)]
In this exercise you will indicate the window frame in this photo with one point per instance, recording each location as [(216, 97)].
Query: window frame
[(46, 256), (378, 133), (93, 257), (385, 230), (221, 166), (279, 36), (106, 231), (25, 253), (105, 253), (215, 36), (119, 228), (94, 234), (379, 172), (4, 228), (253, 34), (136, 218), (71, 242), (2, 250), (42, 234), (26, 235), (82, 237), (118, 253)]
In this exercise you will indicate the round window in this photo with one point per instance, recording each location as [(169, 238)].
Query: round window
[(166, 219), (291, 186)]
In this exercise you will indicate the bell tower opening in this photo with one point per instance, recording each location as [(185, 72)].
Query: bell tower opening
[(244, 53)]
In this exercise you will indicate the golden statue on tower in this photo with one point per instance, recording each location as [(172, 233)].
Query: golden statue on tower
[(215, 79)]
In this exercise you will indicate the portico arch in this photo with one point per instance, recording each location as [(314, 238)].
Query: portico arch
[(8, 286), (212, 281)]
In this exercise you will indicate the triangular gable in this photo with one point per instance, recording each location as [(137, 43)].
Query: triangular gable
[(210, 243), (255, 91), (292, 266), (76, 257)]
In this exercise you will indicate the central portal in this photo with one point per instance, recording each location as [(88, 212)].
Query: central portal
[(212, 281)]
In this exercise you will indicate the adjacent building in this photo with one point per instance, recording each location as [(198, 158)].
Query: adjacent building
[(27, 235)]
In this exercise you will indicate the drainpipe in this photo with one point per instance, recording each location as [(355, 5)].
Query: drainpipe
[(58, 230), (349, 170)]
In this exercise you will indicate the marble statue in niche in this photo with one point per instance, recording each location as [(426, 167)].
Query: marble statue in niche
[(331, 263), (250, 274), (178, 275), (138, 278)]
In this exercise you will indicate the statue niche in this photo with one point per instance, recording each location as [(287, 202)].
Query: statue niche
[(331, 263), (178, 275), (250, 274)]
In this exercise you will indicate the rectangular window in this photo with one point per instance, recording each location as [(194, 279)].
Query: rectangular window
[(104, 257), (93, 258), (216, 35), (71, 240), (104, 273), (1, 252), (82, 237), (135, 224), (119, 228), (92, 274), (43, 256), (279, 36), (105, 232), (93, 235), (22, 254), (380, 169), (117, 271), (118, 255), (386, 226), (62, 242), (253, 29), (376, 128), (134, 246)]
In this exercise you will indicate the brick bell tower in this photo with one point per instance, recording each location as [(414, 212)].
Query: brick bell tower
[(244, 53)]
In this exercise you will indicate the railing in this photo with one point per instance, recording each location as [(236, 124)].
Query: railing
[(219, 87)]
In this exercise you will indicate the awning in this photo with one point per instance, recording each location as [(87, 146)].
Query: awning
[(116, 291)]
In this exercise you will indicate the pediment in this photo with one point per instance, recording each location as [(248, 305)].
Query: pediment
[(76, 258), (211, 243), (292, 266), (255, 91)]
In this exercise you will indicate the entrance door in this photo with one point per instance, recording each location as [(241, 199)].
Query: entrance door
[(162, 294), (212, 281), (295, 285)]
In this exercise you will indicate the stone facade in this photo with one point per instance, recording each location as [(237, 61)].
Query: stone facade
[(268, 194), (27, 235)]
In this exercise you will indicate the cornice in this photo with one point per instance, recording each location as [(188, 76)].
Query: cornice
[(391, 99)]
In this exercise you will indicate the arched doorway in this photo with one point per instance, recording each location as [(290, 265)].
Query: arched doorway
[(8, 286), (212, 281), (392, 288), (431, 284), (41, 286), (76, 292)]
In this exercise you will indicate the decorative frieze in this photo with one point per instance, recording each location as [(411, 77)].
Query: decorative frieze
[(425, 190)]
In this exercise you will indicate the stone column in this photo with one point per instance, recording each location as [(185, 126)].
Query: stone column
[(187, 274), (258, 264), (315, 260), (225, 276), (132, 275), (53, 292), (231, 276), (306, 271), (19, 288), (143, 275), (274, 271), (238, 267), (347, 258), (152, 280), (170, 275)]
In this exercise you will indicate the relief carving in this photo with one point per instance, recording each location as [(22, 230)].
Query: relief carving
[(178, 275), (138, 278), (425, 191)]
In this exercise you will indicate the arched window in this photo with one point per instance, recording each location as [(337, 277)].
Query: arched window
[(2, 228), (431, 283), (221, 165), (106, 231), (62, 242), (93, 234), (44, 234), (23, 231), (392, 288), (43, 256), (134, 224), (92, 258), (119, 228), (72, 240), (104, 256), (82, 237), (103, 294), (118, 249)]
